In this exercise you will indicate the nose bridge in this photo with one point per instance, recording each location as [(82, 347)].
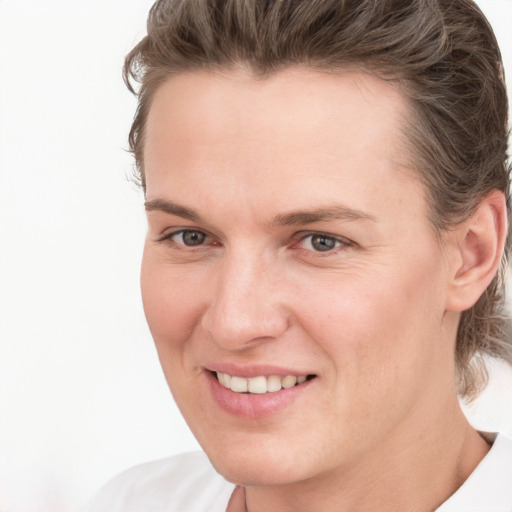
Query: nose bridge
[(246, 305)]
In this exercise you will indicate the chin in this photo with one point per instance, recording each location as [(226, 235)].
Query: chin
[(251, 473), (256, 465)]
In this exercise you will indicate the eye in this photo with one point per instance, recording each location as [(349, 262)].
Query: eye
[(188, 237), (320, 242)]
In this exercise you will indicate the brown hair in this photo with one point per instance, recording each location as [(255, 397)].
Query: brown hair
[(441, 53)]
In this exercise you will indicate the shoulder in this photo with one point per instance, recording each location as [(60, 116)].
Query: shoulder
[(489, 487), (185, 482)]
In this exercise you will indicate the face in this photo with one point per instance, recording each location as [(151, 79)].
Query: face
[(289, 257)]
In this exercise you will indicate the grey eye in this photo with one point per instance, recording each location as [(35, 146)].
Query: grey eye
[(192, 238), (323, 243)]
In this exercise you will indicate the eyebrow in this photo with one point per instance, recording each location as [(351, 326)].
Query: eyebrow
[(293, 218), (171, 208), (333, 212)]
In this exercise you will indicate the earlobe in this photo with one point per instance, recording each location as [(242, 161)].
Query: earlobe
[(481, 242)]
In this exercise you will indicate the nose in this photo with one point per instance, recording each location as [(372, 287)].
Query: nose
[(246, 305)]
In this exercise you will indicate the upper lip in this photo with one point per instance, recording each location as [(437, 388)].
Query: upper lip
[(248, 371)]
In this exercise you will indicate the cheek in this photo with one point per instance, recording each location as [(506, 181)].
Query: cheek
[(171, 300), (380, 327)]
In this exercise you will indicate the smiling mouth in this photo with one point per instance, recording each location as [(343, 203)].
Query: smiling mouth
[(261, 384)]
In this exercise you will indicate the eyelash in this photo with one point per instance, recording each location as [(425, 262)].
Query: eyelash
[(339, 242), (168, 238)]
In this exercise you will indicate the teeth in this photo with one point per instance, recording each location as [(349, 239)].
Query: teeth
[(224, 379), (273, 383), (289, 381), (259, 385), (238, 384)]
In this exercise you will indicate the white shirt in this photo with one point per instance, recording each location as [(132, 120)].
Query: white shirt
[(188, 483), (183, 483), (489, 487)]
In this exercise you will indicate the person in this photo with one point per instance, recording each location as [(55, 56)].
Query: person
[(327, 190)]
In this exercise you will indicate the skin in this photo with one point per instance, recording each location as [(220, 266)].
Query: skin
[(374, 319)]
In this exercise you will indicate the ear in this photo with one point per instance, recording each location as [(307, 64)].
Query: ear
[(480, 243)]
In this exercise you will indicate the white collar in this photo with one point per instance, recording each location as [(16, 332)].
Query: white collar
[(489, 487)]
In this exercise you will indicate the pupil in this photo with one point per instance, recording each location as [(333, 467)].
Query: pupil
[(193, 237), (322, 243)]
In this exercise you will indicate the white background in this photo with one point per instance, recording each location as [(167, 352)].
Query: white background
[(81, 392)]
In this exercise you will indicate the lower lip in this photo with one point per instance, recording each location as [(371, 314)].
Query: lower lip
[(250, 406)]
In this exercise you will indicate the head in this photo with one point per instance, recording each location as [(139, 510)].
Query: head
[(212, 74), (442, 56)]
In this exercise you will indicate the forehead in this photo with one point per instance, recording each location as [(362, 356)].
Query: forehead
[(295, 103), (298, 130)]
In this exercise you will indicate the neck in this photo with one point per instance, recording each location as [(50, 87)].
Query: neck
[(391, 478)]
